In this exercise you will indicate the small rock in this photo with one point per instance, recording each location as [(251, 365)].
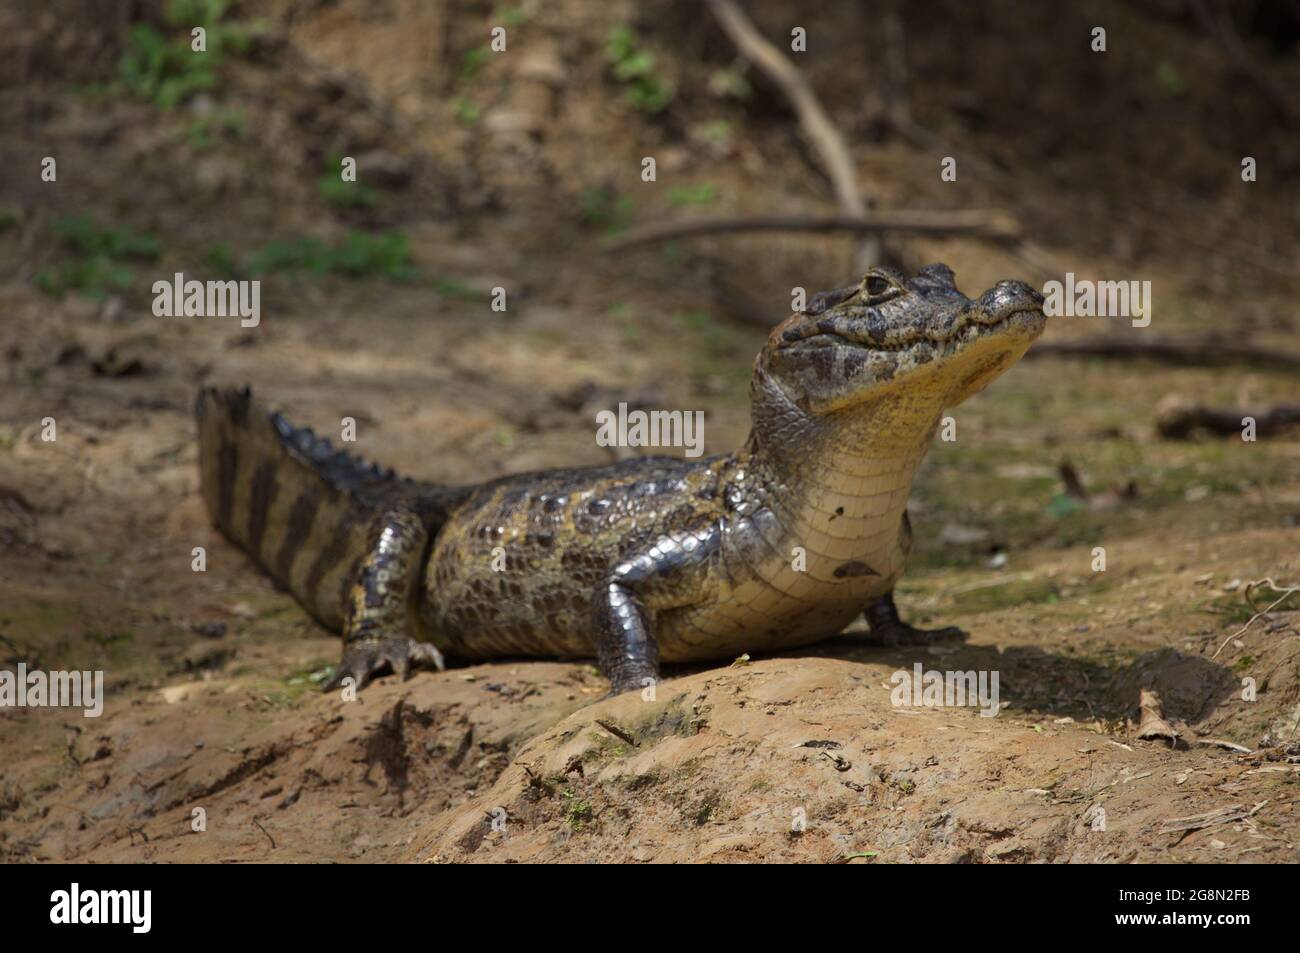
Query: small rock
[(114, 363), (209, 630), (204, 656), (507, 122), (112, 308), (542, 65), (384, 168)]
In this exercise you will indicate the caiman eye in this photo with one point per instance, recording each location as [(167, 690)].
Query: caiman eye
[(878, 286)]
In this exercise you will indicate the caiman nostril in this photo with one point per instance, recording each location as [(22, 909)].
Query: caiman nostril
[(1019, 289)]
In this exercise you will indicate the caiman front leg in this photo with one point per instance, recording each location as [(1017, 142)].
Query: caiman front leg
[(888, 629), (377, 617), (673, 572)]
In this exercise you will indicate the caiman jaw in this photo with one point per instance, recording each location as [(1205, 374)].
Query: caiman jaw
[(969, 324), (922, 330)]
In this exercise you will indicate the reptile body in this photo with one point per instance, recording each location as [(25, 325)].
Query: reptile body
[(780, 544)]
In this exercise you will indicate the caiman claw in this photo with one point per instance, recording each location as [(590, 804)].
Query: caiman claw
[(367, 658), (888, 629), (900, 633)]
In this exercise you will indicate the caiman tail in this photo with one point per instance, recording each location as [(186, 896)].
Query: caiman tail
[(302, 509)]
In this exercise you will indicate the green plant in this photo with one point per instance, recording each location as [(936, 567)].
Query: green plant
[(718, 132), (579, 814), (359, 255), (1170, 79), (167, 71), (466, 111), (164, 72), (84, 237), (1061, 505), (471, 62), (386, 254), (94, 278), (604, 208), (221, 259), (730, 81), (451, 288), (206, 131), (510, 16), (95, 267), (702, 194), (634, 67)]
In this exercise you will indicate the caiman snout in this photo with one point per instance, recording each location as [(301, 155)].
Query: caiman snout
[(1008, 297)]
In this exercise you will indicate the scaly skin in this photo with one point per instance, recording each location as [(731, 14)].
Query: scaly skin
[(779, 544)]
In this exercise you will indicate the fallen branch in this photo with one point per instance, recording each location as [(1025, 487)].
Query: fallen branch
[(1178, 420), (1196, 822), (1225, 745), (1209, 352), (818, 126), (1258, 584), (617, 732), (989, 223)]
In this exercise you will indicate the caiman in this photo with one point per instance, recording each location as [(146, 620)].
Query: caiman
[(655, 559)]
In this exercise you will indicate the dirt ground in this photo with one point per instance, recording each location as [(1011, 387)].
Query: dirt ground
[(509, 171)]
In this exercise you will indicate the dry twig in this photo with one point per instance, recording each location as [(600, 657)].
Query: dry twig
[(1277, 602), (818, 126), (984, 223), (1179, 419), (1203, 352)]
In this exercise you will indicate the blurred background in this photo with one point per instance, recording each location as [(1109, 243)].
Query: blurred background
[(522, 170)]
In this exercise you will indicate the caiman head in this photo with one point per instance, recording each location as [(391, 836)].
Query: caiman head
[(879, 361)]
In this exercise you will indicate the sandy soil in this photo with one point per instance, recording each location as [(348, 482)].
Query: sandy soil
[(213, 718)]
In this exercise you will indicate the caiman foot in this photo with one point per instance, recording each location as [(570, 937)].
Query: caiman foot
[(367, 658), (900, 633), (888, 629)]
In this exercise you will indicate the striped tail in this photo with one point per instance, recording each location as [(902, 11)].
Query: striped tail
[(300, 508)]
